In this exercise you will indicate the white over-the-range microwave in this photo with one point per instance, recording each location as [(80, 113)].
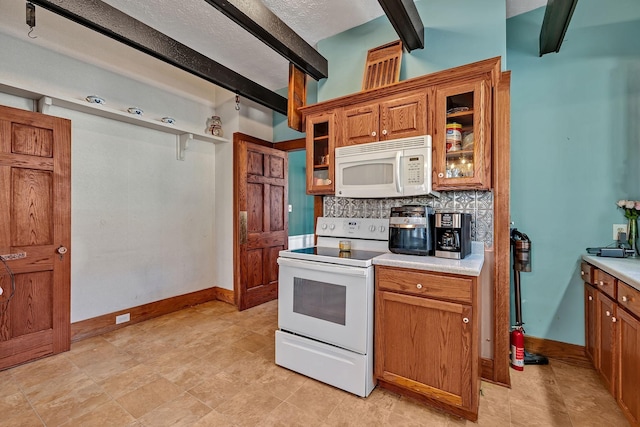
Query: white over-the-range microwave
[(393, 168)]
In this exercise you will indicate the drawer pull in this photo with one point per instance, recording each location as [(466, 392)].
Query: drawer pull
[(465, 320), (614, 320), (582, 273), (601, 283), (419, 286), (384, 132), (373, 133), (590, 298), (608, 313), (625, 298)]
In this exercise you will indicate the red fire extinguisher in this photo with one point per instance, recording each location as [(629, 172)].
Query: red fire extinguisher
[(517, 349)]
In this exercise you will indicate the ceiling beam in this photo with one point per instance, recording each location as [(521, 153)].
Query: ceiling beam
[(406, 20), (105, 19), (556, 20), (258, 20)]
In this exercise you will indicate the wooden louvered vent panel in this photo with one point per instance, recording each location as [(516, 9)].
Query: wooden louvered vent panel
[(383, 65)]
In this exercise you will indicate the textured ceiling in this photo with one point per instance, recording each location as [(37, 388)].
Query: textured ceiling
[(200, 26)]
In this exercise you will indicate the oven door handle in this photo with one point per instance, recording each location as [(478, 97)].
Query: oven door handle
[(323, 267)]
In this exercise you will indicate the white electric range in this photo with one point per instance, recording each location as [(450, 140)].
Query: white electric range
[(325, 304)]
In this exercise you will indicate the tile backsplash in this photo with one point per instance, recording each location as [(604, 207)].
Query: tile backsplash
[(478, 203)]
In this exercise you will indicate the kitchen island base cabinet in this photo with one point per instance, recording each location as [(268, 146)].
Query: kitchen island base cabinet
[(427, 347)]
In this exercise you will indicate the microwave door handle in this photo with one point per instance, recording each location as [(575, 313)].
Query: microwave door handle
[(398, 161)]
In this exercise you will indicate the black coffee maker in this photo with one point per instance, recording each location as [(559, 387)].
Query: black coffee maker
[(453, 235)]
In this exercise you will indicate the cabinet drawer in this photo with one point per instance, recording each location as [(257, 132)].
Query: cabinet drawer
[(424, 284), (586, 271), (605, 282), (629, 298)]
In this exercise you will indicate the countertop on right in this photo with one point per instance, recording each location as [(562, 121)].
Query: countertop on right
[(625, 269)]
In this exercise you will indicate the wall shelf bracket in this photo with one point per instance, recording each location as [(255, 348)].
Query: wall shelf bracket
[(182, 144)]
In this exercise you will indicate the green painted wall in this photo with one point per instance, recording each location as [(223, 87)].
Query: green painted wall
[(575, 150), (457, 32), (301, 216)]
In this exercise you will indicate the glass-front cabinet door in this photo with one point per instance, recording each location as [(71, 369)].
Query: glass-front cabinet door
[(320, 145), (462, 137)]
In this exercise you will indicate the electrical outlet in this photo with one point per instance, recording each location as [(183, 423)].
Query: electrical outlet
[(618, 228), (123, 318)]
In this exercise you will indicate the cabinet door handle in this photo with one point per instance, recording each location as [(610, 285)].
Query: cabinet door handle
[(582, 273), (465, 320), (614, 320), (440, 175), (419, 286), (601, 283), (384, 131), (608, 313), (625, 298), (373, 133), (590, 298)]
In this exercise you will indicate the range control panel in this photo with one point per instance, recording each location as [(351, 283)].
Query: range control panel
[(357, 228)]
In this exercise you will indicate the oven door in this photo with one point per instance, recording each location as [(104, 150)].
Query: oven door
[(326, 302)]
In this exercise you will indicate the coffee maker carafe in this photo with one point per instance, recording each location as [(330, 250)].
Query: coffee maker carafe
[(453, 235)]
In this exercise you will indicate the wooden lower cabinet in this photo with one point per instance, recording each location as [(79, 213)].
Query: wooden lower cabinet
[(590, 303), (629, 366), (606, 332), (612, 338), (426, 347)]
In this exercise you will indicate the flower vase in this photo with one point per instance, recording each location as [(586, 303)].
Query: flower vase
[(633, 235)]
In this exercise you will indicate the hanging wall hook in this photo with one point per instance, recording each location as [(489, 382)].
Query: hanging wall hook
[(31, 18)]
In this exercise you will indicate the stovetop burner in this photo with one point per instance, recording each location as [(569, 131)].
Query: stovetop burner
[(337, 253)]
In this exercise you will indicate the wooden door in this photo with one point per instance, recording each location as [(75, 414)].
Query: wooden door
[(629, 365), (404, 117), (606, 326), (360, 125), (426, 346), (590, 300), (261, 220), (35, 220)]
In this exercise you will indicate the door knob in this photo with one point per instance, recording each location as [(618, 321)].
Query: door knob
[(384, 131), (61, 250), (440, 175), (373, 133), (419, 286)]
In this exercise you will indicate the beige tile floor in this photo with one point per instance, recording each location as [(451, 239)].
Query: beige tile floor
[(210, 365)]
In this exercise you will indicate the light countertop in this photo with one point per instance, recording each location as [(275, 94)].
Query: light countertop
[(470, 266), (625, 269)]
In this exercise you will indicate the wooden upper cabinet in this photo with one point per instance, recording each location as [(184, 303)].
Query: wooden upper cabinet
[(320, 146), (462, 136), (389, 118)]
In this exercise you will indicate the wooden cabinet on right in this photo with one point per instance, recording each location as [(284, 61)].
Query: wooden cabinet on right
[(606, 331), (612, 336), (389, 118), (629, 366), (462, 135)]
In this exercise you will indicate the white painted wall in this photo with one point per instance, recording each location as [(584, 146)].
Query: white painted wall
[(145, 226)]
